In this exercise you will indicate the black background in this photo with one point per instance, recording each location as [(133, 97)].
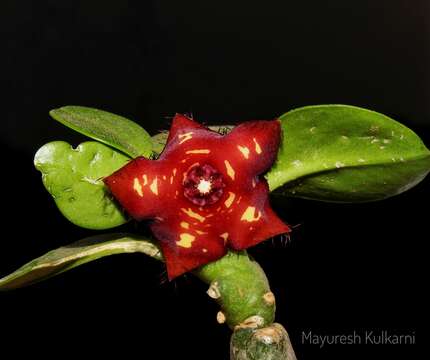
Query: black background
[(347, 266)]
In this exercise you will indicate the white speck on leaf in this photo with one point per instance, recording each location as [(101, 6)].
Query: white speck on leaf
[(382, 147), (339, 164), (297, 163), (312, 129), (374, 141), (361, 160), (345, 137), (91, 181), (386, 141)]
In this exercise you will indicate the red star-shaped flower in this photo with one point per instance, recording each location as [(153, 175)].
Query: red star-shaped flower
[(204, 192)]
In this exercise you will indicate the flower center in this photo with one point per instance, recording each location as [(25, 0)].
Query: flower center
[(203, 185)]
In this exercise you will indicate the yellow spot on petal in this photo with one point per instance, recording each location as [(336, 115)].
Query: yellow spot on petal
[(224, 236), (171, 180), (193, 214), (257, 147), (205, 250), (137, 187), (230, 170), (185, 225), (249, 214), (174, 171), (186, 240), (230, 199), (244, 150), (164, 177), (201, 232), (253, 183), (198, 151), (185, 137), (145, 180), (154, 186), (184, 161)]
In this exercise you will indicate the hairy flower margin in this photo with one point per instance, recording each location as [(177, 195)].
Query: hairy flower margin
[(205, 192)]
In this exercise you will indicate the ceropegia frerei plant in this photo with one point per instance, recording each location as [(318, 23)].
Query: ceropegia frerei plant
[(206, 192)]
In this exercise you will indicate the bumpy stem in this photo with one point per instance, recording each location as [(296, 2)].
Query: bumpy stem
[(241, 288), (268, 343)]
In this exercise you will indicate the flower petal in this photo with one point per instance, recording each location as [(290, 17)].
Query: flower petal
[(141, 187), (187, 242), (252, 220), (182, 129), (251, 147)]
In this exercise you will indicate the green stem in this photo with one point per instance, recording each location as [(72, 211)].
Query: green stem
[(240, 287), (268, 343)]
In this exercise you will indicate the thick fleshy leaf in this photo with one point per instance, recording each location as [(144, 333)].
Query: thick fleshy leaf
[(74, 179), (195, 224), (67, 257), (159, 141), (346, 154), (114, 130)]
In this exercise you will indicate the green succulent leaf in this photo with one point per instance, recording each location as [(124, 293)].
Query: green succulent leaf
[(74, 179), (114, 130), (346, 154), (67, 257), (159, 142)]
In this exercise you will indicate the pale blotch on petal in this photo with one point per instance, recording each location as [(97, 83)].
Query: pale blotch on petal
[(186, 240), (193, 214), (137, 187), (257, 147), (249, 214), (154, 186), (145, 179), (230, 170), (198, 151), (185, 137), (230, 199), (224, 236), (185, 225), (244, 150)]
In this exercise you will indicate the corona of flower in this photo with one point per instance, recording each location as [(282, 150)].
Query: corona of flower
[(205, 192)]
